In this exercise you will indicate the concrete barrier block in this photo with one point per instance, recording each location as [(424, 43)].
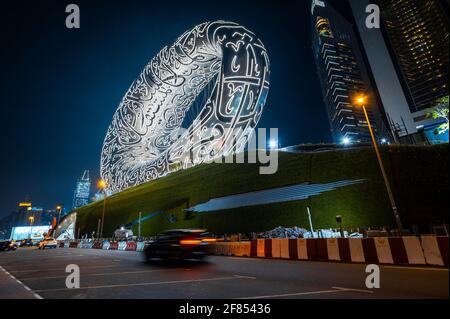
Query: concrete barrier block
[(276, 248), (333, 249), (356, 250), (260, 250), (284, 248), (302, 251), (414, 251), (383, 250), (431, 251)]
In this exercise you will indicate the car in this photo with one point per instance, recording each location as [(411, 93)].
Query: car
[(49, 242), (180, 244), (7, 245), (26, 243)]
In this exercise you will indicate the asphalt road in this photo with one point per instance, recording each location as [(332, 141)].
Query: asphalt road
[(121, 274)]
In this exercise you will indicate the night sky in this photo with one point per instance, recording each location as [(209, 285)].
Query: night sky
[(60, 87)]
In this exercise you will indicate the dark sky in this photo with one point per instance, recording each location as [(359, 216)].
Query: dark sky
[(60, 87)]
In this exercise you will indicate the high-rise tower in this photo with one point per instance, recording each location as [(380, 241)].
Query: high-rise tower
[(343, 75), (409, 58), (82, 191)]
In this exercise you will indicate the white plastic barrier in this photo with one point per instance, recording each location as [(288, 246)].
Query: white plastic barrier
[(431, 251), (414, 251), (85, 245), (284, 248), (383, 250), (333, 249), (276, 248), (302, 250), (356, 250), (241, 249), (105, 245), (140, 246), (260, 250), (122, 245)]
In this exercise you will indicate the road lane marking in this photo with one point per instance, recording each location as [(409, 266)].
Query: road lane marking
[(318, 292), (365, 291), (294, 294), (151, 283), (63, 268), (36, 260), (246, 258), (416, 268), (107, 273), (35, 295)]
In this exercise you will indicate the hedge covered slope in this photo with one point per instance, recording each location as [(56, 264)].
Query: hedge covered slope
[(419, 178)]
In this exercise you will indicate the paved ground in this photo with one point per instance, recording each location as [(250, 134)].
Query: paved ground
[(120, 274)]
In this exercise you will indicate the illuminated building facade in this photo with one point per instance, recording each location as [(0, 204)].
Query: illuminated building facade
[(343, 75), (82, 191), (418, 34), (409, 60), (146, 140)]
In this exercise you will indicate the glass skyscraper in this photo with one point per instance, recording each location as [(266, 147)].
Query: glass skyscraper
[(82, 191), (418, 34), (343, 75)]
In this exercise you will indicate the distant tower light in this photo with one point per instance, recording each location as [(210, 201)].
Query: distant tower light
[(346, 141), (273, 144)]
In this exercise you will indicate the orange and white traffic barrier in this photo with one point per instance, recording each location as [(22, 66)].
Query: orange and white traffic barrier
[(435, 250), (73, 244), (97, 245), (140, 246), (356, 250), (113, 245), (122, 245), (105, 245), (131, 246), (381, 250), (333, 249)]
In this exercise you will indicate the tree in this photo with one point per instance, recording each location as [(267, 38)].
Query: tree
[(440, 111)]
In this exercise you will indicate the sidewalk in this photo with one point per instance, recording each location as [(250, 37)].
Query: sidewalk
[(11, 288)]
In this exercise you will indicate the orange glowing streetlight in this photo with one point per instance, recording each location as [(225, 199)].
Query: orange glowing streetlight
[(361, 100), (103, 185), (59, 209)]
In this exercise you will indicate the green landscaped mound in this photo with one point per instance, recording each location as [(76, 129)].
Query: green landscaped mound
[(419, 177)]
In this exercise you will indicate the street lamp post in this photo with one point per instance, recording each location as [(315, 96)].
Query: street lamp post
[(361, 101), (59, 209), (102, 185)]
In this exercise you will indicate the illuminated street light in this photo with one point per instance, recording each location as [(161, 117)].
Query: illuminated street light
[(103, 185), (273, 144), (346, 141), (361, 101), (58, 209)]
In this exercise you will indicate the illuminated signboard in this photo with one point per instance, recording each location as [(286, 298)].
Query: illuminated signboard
[(24, 204), (33, 232)]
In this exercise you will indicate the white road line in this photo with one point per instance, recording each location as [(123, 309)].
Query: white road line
[(416, 268), (365, 291), (37, 296), (107, 273), (151, 283), (318, 292), (246, 258), (294, 294), (62, 268)]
